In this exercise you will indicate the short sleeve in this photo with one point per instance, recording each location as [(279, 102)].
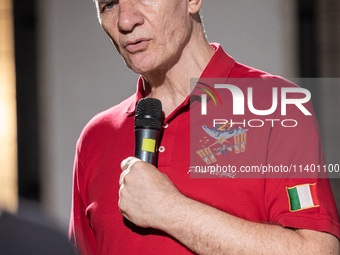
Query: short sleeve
[(302, 198)]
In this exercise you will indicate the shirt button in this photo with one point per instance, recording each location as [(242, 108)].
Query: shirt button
[(165, 125), (161, 149)]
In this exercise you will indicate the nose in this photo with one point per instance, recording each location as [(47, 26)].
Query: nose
[(129, 16)]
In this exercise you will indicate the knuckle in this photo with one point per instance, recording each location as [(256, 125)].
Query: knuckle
[(136, 166), (127, 177), (122, 193), (121, 205)]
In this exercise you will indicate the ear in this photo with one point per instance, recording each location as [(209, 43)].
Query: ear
[(194, 6)]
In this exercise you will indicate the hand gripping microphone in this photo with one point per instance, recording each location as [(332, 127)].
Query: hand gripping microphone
[(148, 123)]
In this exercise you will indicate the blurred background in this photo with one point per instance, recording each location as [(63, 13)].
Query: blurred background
[(58, 69)]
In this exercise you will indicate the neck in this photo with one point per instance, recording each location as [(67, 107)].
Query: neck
[(171, 85)]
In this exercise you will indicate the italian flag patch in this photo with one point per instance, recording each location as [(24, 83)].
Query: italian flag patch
[(302, 197)]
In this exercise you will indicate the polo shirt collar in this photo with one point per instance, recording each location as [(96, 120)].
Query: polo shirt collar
[(138, 96), (219, 66)]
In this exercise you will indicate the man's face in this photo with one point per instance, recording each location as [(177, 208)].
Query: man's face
[(149, 34)]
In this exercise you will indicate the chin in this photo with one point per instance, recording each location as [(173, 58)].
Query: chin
[(142, 70), (141, 67)]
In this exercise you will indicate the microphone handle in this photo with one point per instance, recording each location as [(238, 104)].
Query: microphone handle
[(146, 145)]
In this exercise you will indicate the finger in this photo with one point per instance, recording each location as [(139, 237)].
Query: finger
[(126, 166), (120, 189), (122, 175), (128, 162)]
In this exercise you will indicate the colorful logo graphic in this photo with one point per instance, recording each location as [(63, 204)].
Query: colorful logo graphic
[(226, 140), (210, 91)]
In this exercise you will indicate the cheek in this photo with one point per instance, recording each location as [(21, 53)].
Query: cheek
[(108, 31), (109, 25), (112, 34), (177, 26), (177, 34)]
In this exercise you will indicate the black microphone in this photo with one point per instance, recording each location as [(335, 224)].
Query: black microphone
[(148, 123)]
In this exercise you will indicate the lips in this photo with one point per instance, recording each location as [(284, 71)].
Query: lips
[(136, 45)]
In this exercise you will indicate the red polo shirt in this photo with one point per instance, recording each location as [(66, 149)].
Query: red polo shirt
[(97, 227)]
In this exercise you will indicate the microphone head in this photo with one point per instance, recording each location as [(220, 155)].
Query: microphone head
[(149, 114)]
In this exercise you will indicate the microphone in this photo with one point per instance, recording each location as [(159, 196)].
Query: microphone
[(148, 123)]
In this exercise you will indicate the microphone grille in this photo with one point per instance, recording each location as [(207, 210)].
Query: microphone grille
[(149, 114)]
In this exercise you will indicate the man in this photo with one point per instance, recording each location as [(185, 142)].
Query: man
[(165, 211)]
